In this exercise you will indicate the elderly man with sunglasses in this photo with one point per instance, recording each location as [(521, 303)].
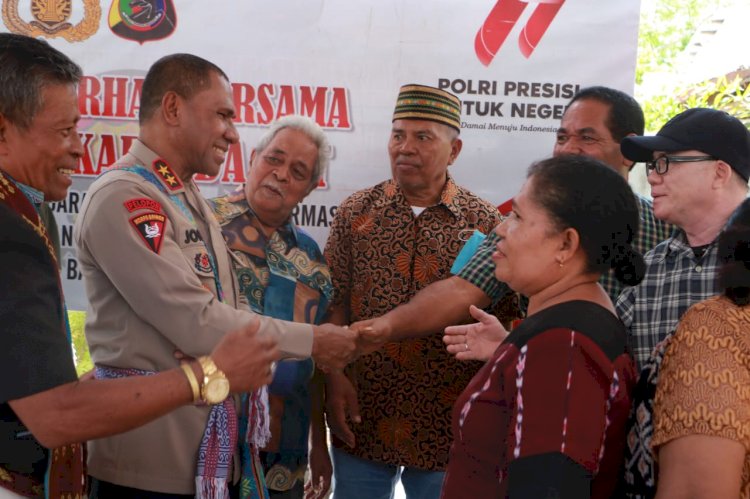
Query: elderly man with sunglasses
[(698, 166)]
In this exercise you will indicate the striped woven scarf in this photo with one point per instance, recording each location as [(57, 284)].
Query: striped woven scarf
[(219, 438)]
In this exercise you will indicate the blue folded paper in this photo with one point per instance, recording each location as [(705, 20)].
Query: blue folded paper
[(470, 247)]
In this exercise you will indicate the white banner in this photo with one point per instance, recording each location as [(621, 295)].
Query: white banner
[(514, 64)]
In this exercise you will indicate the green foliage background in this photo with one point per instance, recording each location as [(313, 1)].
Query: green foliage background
[(80, 348), (666, 28), (719, 94), (664, 31)]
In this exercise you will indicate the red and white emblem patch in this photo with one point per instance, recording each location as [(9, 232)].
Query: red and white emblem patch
[(203, 262), (150, 226)]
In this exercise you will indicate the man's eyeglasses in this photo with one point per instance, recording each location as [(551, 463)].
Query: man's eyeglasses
[(661, 164)]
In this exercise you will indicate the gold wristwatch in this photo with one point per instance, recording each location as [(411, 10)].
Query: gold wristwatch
[(215, 387)]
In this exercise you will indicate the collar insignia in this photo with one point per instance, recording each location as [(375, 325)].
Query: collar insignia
[(168, 177)]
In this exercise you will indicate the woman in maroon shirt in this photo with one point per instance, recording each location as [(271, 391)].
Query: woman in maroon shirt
[(545, 417)]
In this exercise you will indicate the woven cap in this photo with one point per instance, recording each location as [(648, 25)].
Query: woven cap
[(420, 102)]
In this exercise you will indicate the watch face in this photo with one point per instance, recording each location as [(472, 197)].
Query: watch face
[(217, 390)]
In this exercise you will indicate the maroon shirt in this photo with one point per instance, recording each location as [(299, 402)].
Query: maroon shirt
[(547, 412)]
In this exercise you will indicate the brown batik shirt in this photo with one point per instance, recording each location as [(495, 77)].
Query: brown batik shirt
[(381, 255)]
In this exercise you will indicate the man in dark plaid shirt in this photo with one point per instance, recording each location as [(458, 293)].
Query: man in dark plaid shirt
[(698, 166), (595, 122)]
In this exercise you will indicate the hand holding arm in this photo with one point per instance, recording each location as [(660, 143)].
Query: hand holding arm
[(476, 341), (94, 408)]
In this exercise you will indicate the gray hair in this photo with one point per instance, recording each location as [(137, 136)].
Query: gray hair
[(27, 65), (313, 132)]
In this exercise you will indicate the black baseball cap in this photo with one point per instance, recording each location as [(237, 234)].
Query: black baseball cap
[(710, 131)]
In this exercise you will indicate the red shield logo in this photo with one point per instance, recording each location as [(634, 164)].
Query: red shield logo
[(150, 226)]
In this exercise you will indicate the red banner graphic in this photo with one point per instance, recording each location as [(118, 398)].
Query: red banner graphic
[(501, 20)]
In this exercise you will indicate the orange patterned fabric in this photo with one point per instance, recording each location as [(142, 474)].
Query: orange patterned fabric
[(704, 385), (380, 255)]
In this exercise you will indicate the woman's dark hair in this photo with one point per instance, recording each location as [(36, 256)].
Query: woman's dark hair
[(584, 194), (734, 256)]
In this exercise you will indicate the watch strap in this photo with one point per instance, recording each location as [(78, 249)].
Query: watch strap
[(207, 365)]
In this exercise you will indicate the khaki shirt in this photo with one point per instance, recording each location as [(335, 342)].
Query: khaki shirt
[(151, 290)]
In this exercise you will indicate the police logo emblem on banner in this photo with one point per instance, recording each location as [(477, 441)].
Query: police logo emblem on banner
[(142, 20), (51, 19), (150, 227)]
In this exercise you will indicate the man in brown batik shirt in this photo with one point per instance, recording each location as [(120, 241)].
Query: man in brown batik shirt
[(386, 243)]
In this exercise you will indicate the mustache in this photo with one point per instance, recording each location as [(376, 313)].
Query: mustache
[(406, 160), (276, 188)]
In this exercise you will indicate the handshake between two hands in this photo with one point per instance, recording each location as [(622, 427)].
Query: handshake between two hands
[(336, 346), (476, 341), (246, 357)]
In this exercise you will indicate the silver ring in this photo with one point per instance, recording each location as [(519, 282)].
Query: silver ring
[(467, 346)]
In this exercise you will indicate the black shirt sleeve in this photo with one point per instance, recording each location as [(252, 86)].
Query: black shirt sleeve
[(551, 475), (34, 351)]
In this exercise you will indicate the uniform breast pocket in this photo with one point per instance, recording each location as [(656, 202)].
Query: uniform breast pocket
[(201, 263)]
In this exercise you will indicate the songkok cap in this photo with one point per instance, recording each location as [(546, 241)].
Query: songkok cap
[(710, 131), (420, 102)]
